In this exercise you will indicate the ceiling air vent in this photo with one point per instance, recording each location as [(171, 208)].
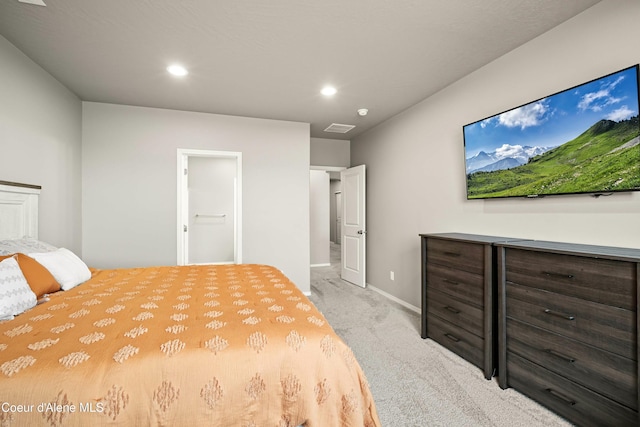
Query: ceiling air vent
[(36, 2), (338, 128)]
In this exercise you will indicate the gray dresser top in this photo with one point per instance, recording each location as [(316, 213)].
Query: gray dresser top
[(607, 252), (473, 238)]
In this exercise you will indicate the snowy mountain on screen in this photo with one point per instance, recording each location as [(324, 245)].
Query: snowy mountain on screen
[(505, 157)]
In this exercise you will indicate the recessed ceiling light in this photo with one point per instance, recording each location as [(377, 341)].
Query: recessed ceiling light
[(362, 112), (177, 70), (328, 91)]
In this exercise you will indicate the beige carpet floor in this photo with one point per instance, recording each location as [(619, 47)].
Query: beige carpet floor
[(415, 382)]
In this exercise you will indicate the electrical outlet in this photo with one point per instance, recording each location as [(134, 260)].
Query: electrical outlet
[(392, 275)]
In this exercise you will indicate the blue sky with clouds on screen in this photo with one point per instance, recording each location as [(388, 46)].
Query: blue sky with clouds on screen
[(558, 118)]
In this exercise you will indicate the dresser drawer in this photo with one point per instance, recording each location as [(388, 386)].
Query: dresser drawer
[(459, 255), (460, 284), (459, 313), (600, 280), (599, 325), (612, 375), (463, 343), (580, 405)]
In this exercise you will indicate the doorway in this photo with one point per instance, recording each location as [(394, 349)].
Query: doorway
[(324, 183), (352, 230), (209, 207)]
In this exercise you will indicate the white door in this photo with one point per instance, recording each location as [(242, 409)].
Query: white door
[(209, 220), (354, 237)]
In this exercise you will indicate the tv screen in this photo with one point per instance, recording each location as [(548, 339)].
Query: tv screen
[(582, 140)]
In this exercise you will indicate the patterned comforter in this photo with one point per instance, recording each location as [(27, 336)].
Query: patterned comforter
[(235, 345)]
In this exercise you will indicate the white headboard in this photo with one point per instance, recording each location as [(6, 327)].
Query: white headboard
[(18, 210)]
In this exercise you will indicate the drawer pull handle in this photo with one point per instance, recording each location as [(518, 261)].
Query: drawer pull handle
[(451, 282), (561, 315), (452, 338), (452, 254), (453, 310), (559, 275), (560, 355), (560, 396)]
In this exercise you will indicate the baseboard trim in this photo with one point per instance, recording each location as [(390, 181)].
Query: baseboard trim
[(321, 265), (395, 299)]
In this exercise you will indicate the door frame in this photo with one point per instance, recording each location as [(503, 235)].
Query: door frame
[(338, 211), (183, 200)]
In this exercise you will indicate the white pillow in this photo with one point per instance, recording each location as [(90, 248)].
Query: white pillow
[(64, 266), (15, 294)]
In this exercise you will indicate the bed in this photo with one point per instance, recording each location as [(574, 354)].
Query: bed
[(226, 345)]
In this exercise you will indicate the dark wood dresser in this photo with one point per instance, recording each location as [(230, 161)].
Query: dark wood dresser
[(568, 328), (459, 295)]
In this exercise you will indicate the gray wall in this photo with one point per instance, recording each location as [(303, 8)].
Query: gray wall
[(129, 180), (319, 217), (330, 152), (415, 161), (40, 142)]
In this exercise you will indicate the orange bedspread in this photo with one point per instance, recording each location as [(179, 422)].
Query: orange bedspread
[(235, 345)]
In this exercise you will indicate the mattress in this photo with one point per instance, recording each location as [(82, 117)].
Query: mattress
[(233, 345)]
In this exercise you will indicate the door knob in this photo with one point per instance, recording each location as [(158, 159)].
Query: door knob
[(361, 232)]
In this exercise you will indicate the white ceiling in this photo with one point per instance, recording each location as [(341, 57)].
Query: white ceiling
[(270, 58)]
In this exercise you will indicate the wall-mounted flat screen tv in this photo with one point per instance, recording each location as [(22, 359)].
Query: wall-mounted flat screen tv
[(582, 140)]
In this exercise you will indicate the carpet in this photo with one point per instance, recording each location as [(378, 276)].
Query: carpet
[(415, 382)]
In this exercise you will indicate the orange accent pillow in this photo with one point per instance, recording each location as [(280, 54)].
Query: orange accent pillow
[(40, 280)]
